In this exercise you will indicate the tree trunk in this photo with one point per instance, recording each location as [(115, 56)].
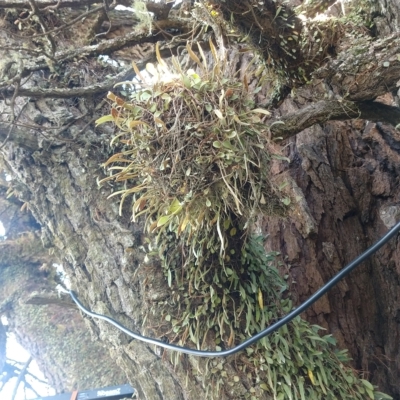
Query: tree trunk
[(348, 174), (343, 177), (47, 326)]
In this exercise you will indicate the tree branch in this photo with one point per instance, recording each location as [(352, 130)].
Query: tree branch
[(55, 93), (22, 138), (272, 33), (327, 110), (54, 3), (20, 377), (365, 71), (101, 48), (66, 25), (109, 46), (41, 301), (3, 340), (159, 9), (38, 14)]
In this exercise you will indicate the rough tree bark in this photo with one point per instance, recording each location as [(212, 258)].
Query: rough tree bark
[(349, 175), (350, 182), (344, 174), (38, 317)]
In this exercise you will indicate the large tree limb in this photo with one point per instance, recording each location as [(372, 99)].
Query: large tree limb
[(133, 38), (108, 46), (161, 10), (365, 71), (327, 110), (56, 93), (39, 300), (85, 91), (56, 3), (263, 23)]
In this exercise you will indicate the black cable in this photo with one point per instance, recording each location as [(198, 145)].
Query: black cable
[(345, 271)]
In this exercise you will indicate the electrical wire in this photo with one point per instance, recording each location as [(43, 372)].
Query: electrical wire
[(272, 328)]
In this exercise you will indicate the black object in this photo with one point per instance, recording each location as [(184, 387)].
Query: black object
[(106, 393), (272, 328)]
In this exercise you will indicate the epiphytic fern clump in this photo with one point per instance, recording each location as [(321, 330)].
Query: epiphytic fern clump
[(195, 153)]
